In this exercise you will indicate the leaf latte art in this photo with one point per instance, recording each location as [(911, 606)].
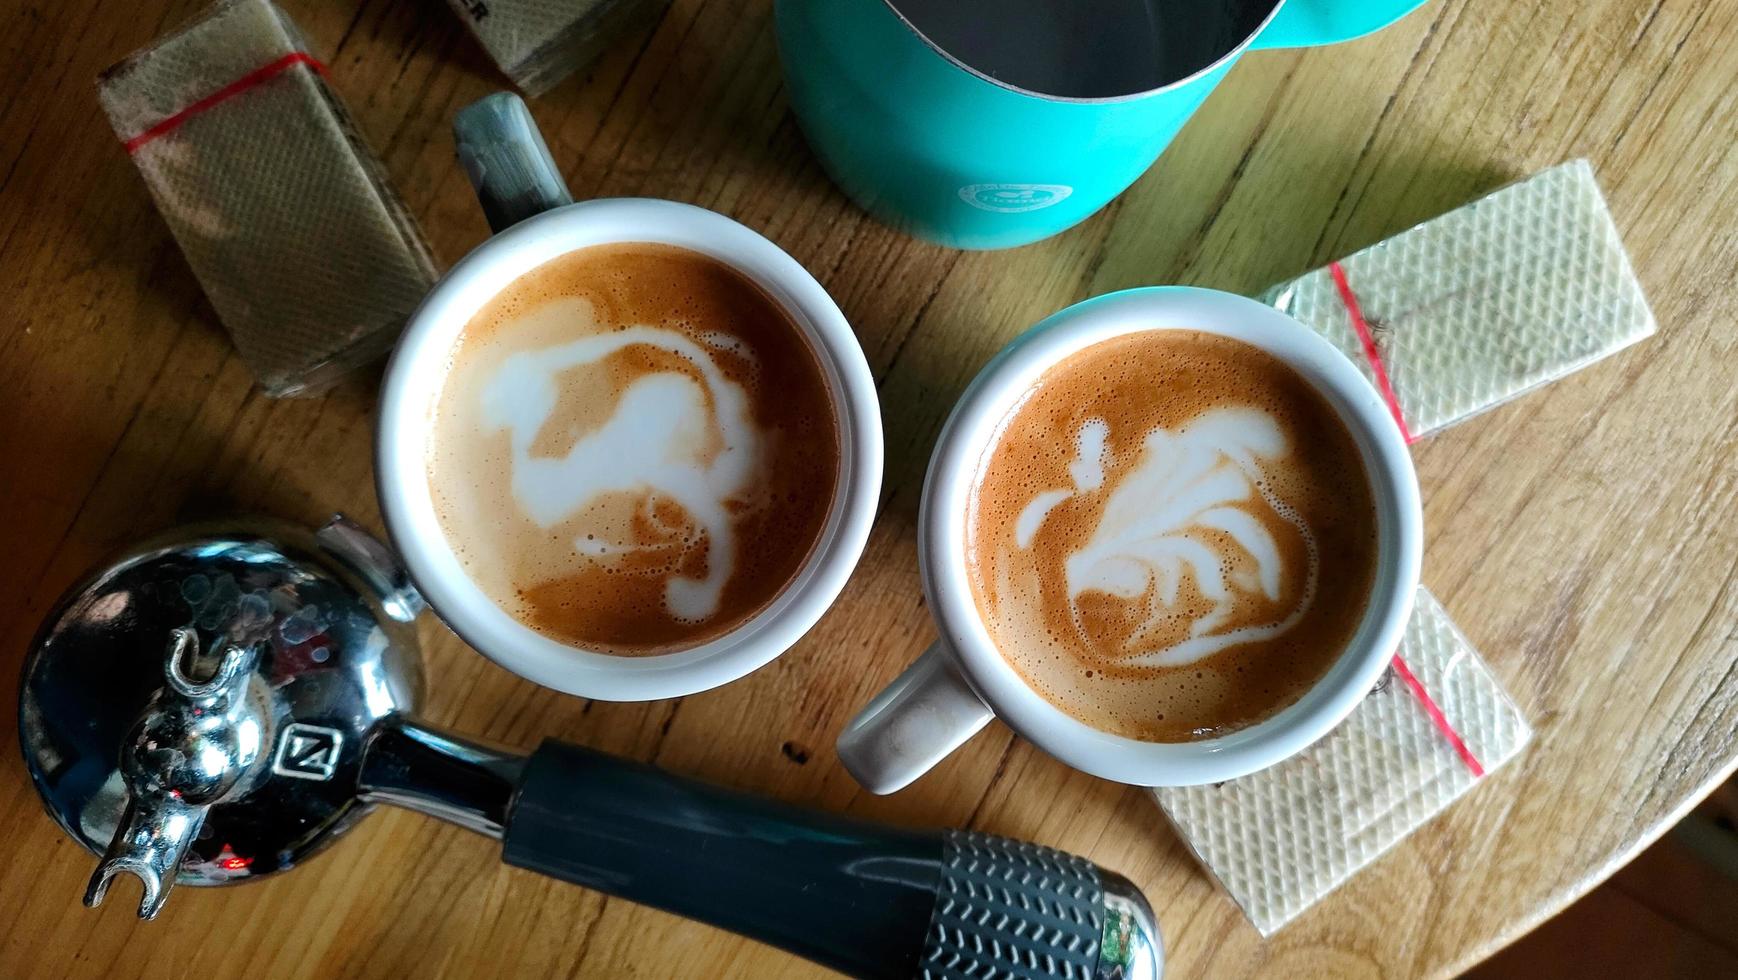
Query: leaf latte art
[(1172, 537)]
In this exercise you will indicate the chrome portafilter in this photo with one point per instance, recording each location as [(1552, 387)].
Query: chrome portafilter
[(221, 703)]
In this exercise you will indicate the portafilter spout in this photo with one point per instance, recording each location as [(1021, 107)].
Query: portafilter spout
[(223, 702)]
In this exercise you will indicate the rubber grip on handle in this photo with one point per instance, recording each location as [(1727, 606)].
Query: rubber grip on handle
[(867, 900), (1012, 909), (852, 896)]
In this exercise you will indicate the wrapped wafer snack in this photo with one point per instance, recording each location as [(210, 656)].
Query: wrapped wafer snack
[(1466, 311), (537, 43), (302, 246), (1280, 839), (1447, 319)]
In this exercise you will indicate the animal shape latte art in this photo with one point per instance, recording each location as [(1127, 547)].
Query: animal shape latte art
[(1172, 537), (635, 451), (669, 437), (1194, 511)]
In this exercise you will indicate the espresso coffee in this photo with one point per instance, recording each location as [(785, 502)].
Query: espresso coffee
[(1172, 536), (634, 450)]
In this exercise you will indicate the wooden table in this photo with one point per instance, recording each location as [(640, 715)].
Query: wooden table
[(1584, 537)]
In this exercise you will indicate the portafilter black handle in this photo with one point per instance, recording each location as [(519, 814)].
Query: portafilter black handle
[(866, 899)]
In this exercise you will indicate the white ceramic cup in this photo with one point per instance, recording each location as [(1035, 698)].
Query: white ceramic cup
[(954, 688), (511, 190)]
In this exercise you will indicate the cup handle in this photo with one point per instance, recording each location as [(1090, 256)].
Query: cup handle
[(914, 723), (509, 165), (1309, 23)]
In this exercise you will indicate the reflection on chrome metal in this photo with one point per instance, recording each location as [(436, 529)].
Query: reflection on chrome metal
[(239, 755), (1132, 948), (373, 560), (195, 741), (457, 780), (246, 759)]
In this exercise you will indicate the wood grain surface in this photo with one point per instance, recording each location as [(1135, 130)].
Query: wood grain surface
[(1584, 537)]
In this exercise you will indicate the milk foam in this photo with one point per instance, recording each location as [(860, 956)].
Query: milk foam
[(1172, 535), (635, 450), (1204, 476), (668, 435)]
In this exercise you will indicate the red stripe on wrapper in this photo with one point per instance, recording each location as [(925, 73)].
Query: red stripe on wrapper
[(1437, 718), (259, 75), (1368, 339)]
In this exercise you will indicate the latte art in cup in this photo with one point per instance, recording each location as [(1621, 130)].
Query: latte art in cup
[(1197, 507), (670, 438), (635, 450), (1172, 536)]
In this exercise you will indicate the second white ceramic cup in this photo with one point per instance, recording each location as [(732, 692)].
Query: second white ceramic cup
[(523, 195), (954, 689)]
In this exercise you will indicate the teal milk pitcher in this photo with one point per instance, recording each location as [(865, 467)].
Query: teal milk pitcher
[(994, 123)]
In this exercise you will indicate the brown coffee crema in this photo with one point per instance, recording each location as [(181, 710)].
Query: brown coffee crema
[(1172, 536), (634, 450)]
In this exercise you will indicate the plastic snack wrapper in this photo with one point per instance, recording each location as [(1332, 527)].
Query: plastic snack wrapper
[(537, 43), (1447, 319), (1471, 309), (302, 246), (1280, 839)]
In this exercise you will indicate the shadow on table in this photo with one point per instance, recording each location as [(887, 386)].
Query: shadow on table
[(1668, 914), (1237, 245)]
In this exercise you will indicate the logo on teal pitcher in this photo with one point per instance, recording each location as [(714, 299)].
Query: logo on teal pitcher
[(1014, 198)]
